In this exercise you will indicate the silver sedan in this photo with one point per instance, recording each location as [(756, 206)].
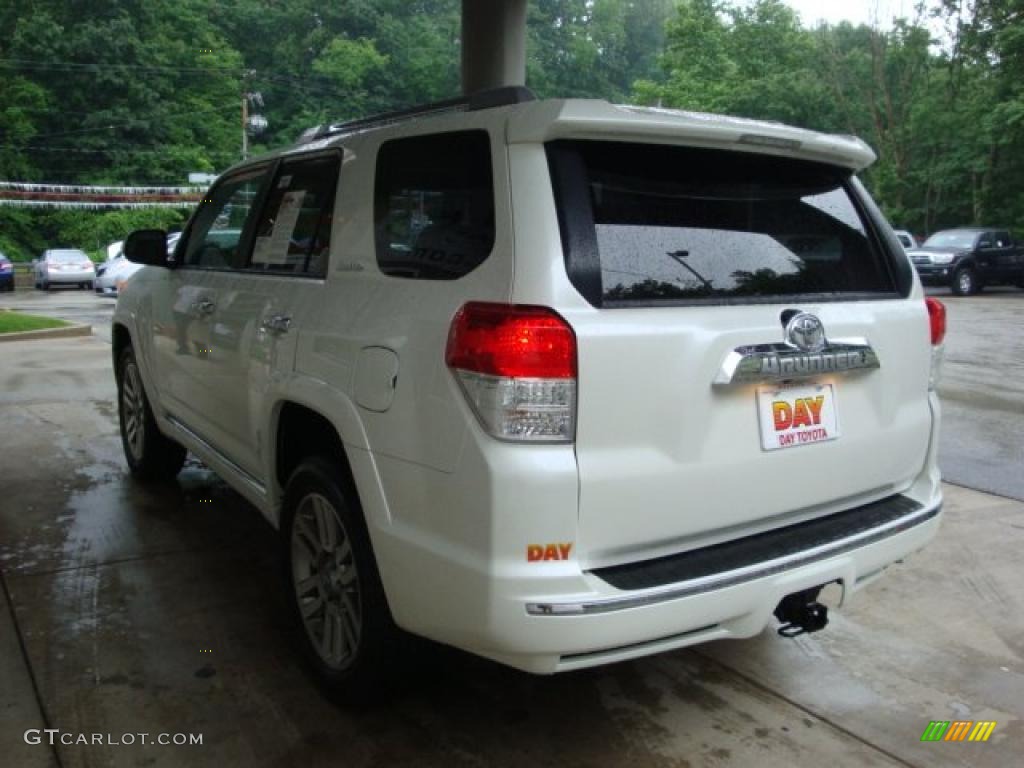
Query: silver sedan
[(64, 266)]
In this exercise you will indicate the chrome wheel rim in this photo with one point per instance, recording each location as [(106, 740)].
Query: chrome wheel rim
[(965, 282), (326, 581), (133, 410)]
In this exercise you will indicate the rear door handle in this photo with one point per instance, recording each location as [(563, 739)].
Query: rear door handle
[(277, 324)]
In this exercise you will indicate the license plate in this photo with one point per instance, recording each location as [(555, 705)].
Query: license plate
[(800, 415)]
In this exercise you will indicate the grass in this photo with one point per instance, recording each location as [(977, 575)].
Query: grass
[(15, 322)]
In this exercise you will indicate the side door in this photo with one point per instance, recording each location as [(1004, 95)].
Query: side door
[(255, 326), (987, 257), (1004, 255), (190, 371)]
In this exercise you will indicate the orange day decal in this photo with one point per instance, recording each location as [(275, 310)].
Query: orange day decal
[(805, 412), (538, 552)]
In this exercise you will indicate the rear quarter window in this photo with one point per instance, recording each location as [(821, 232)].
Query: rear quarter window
[(434, 205), (651, 224)]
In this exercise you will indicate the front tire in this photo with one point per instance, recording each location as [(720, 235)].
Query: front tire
[(965, 282), (333, 588), (150, 454)]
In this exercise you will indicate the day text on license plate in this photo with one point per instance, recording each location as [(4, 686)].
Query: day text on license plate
[(798, 415)]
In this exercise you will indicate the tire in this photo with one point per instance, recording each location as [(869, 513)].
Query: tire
[(90, 286), (332, 585), (965, 282), (150, 454), (46, 285)]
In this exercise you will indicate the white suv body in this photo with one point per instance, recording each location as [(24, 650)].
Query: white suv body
[(632, 496)]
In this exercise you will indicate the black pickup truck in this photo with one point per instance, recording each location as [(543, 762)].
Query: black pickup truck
[(969, 258)]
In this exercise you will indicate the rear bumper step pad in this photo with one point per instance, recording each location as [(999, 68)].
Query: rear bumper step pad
[(801, 542)]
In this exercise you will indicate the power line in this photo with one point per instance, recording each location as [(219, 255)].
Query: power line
[(134, 121), (91, 66), (291, 81), (80, 150)]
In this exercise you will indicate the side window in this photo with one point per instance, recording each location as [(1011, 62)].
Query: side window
[(215, 236), (434, 205), (986, 240), (1003, 239), (294, 231)]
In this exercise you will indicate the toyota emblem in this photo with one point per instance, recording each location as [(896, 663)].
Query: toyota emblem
[(805, 332)]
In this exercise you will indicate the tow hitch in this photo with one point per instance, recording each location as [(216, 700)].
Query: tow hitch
[(801, 612)]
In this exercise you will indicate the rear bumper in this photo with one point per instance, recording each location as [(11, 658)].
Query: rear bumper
[(546, 617), (78, 276), (476, 588), (624, 624)]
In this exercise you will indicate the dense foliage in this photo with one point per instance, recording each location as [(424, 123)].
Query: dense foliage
[(143, 92), (940, 98)]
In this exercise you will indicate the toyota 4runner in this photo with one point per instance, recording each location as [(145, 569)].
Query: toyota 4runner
[(558, 382)]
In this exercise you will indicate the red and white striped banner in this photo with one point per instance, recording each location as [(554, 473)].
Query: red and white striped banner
[(28, 195)]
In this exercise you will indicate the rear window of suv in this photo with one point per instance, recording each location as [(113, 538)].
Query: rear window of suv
[(656, 224)]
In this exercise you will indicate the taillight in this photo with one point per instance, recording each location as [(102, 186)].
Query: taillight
[(517, 368), (937, 319), (937, 325)]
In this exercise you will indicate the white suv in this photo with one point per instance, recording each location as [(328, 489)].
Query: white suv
[(556, 382)]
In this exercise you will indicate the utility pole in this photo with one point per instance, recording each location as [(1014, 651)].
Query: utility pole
[(245, 124), (254, 124)]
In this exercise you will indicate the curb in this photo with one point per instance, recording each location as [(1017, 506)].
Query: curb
[(65, 332)]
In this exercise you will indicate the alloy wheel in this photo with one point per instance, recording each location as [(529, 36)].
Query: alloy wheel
[(134, 410), (965, 281), (326, 582)]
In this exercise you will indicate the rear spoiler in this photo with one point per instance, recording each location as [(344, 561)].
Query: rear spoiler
[(544, 121)]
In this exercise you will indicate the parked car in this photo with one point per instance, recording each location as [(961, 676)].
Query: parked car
[(906, 239), (559, 383), (6, 274), (114, 273), (969, 258), (64, 266)]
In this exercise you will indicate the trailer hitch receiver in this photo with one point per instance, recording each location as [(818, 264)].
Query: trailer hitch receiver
[(801, 612)]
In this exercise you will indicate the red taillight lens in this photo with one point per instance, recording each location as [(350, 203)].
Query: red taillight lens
[(937, 319), (511, 341)]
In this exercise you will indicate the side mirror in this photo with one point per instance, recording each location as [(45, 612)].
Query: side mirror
[(147, 246)]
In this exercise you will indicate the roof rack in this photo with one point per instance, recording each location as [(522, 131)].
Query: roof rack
[(488, 99)]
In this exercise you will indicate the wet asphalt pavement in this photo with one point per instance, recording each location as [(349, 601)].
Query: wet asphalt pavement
[(982, 389), (129, 610)]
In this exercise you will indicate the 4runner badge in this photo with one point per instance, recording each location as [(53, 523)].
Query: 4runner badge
[(805, 353)]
